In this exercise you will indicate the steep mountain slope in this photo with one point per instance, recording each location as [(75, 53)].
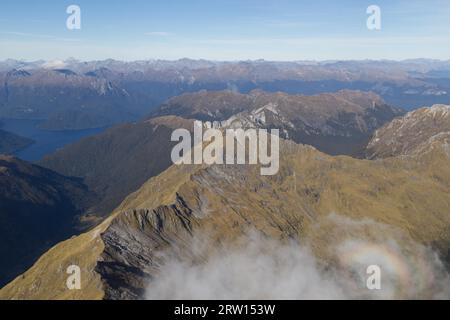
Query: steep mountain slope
[(118, 161), (38, 208), (412, 133), (10, 142), (335, 123), (315, 199)]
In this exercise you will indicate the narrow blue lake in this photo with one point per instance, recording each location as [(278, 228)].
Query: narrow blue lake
[(46, 142)]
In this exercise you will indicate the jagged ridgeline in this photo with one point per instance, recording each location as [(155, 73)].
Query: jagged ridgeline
[(118, 161), (316, 199)]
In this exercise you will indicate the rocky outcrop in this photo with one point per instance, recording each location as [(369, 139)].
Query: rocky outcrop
[(416, 131)]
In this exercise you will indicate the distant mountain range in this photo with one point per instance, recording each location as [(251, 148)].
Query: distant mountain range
[(326, 201), (73, 94)]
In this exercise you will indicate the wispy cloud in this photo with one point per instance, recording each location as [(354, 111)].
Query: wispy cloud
[(24, 20), (158, 33), (24, 34), (327, 40), (285, 24), (39, 36)]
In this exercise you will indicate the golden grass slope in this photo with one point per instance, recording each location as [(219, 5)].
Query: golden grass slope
[(410, 194)]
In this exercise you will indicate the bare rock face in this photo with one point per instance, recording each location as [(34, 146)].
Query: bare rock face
[(414, 133), (125, 273)]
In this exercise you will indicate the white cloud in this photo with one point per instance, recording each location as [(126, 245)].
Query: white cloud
[(264, 268)]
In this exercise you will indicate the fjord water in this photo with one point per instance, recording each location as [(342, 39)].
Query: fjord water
[(45, 142)]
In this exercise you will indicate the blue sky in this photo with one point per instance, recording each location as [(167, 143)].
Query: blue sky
[(225, 30)]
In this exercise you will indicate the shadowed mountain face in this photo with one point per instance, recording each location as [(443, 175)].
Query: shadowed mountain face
[(339, 205), (115, 163), (10, 142), (78, 95), (38, 208)]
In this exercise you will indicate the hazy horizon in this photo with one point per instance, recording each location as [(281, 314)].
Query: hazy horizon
[(68, 59)]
